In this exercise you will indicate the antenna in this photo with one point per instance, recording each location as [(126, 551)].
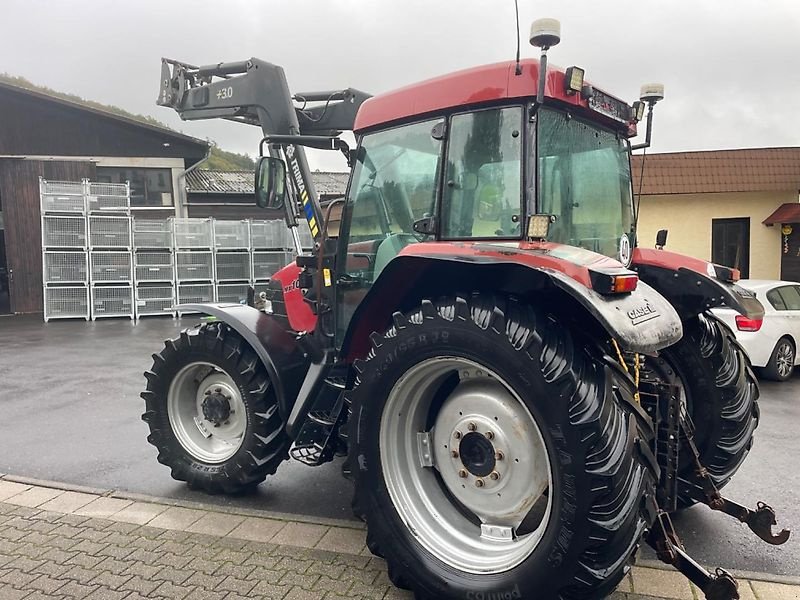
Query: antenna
[(518, 69)]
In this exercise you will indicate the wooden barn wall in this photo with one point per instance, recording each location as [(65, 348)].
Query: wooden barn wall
[(19, 188), (33, 126)]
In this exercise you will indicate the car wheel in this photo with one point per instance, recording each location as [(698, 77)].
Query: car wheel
[(781, 363)]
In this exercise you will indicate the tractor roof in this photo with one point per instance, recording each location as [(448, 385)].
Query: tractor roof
[(487, 83)]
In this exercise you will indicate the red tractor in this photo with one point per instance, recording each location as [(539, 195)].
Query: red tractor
[(522, 392)]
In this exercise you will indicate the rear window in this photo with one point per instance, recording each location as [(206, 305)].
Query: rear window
[(791, 297), (775, 299)]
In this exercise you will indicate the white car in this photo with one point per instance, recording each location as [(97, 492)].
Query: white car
[(771, 342)]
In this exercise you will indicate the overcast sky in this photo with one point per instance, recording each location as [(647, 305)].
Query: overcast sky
[(731, 67)]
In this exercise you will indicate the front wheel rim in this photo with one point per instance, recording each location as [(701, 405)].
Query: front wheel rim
[(206, 412), (472, 483)]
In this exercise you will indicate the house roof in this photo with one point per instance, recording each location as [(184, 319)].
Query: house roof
[(163, 131), (745, 170), (202, 181)]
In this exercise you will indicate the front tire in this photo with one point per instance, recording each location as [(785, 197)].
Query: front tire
[(212, 411), (781, 361), (493, 391)]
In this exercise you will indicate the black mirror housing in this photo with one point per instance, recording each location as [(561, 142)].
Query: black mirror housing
[(661, 238), (270, 184)]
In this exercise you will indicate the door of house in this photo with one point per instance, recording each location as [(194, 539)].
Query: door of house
[(730, 244), (5, 294), (790, 252)]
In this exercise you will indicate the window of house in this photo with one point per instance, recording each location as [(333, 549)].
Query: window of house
[(730, 244), (149, 187)]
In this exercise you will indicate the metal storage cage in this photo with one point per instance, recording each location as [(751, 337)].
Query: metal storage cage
[(62, 196), (152, 233), (268, 235), (155, 299), (62, 188), (111, 266), (194, 293), (67, 266), (233, 266), (194, 265), (109, 232), (193, 233), (63, 231), (108, 197), (265, 264), (66, 302), (112, 301), (154, 265), (306, 240), (232, 235), (232, 292)]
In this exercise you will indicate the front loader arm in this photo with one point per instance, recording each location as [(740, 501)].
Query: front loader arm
[(256, 92)]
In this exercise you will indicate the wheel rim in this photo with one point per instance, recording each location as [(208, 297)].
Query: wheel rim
[(206, 412), (472, 482), (784, 359)]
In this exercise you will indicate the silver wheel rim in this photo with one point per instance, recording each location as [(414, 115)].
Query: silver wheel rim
[(497, 519), (205, 439), (784, 359)]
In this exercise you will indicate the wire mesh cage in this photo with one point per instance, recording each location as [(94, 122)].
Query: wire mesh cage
[(194, 265), (152, 233), (306, 240), (65, 266), (110, 266), (155, 300), (112, 301), (265, 235), (194, 293), (108, 197), (109, 232), (66, 302), (265, 264), (193, 233), (232, 292), (233, 266), (63, 231), (62, 203), (232, 235), (62, 188), (154, 266)]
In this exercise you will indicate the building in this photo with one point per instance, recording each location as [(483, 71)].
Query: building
[(231, 194), (43, 135), (739, 208)]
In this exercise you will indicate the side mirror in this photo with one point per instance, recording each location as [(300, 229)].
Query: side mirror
[(661, 238), (270, 182)]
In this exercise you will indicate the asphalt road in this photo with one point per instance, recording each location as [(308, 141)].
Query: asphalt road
[(70, 411)]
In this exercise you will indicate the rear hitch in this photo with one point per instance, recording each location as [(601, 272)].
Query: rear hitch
[(719, 585)]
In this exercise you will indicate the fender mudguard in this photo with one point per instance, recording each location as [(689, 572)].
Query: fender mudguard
[(686, 282), (275, 345), (642, 321)]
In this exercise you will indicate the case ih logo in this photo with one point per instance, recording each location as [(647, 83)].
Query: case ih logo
[(643, 313)]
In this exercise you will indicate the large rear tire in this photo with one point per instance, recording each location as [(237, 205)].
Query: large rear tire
[(720, 392), (212, 411), (540, 478)]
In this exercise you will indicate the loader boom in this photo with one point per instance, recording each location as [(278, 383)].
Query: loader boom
[(256, 92)]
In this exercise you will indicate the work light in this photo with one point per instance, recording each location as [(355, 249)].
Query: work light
[(573, 80)]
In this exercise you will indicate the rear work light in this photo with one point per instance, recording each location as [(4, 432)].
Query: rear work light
[(747, 324)]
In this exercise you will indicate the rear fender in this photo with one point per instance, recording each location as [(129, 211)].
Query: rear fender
[(275, 346), (641, 321), (689, 286)]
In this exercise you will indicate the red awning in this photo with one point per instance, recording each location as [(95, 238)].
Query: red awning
[(785, 213)]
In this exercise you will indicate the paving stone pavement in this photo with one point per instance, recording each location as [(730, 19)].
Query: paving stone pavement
[(68, 545)]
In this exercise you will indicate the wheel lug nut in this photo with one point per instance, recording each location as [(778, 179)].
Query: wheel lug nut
[(494, 476), (457, 435), (207, 393), (489, 435), (499, 455), (479, 483), (218, 390), (454, 454), (472, 427), (462, 473)]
